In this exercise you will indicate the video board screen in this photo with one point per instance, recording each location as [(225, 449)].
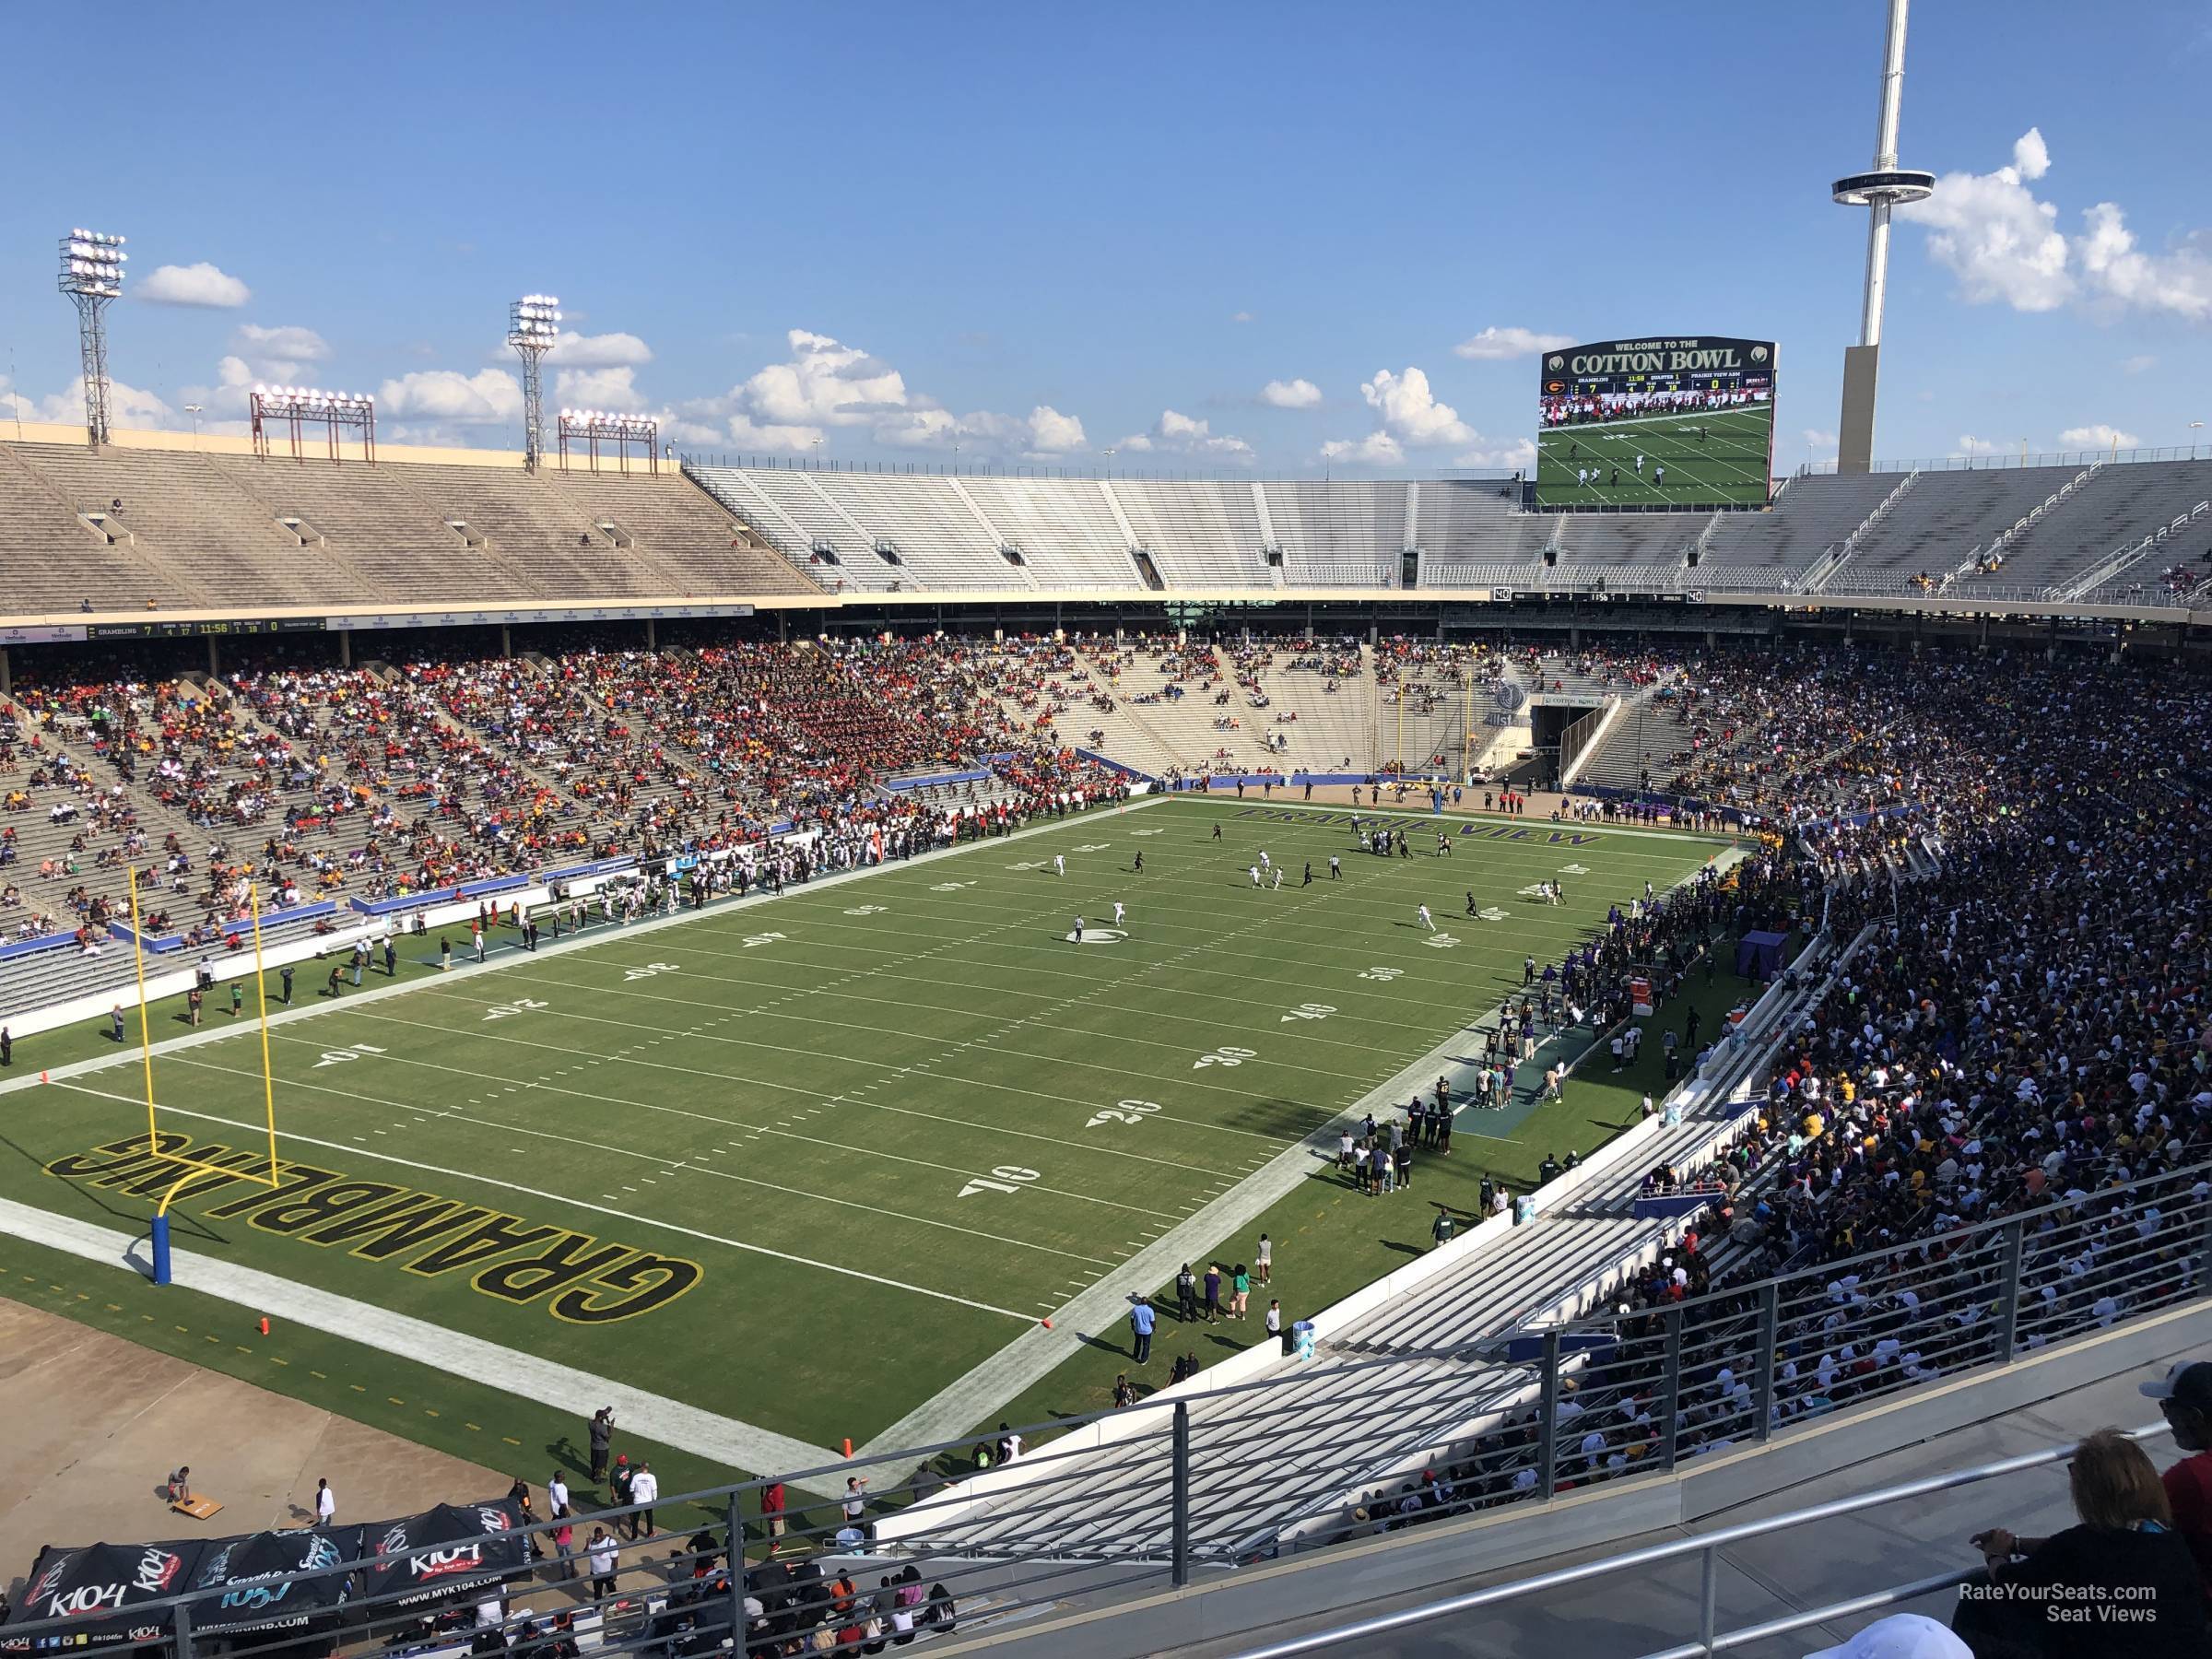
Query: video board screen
[(1666, 422)]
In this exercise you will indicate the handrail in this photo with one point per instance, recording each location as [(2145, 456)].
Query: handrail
[(1818, 575), (1707, 1547), (2114, 563)]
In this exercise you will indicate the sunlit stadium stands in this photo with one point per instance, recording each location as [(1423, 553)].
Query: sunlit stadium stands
[(170, 528)]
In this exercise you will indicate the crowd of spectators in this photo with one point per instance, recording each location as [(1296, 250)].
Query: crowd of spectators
[(2022, 1036)]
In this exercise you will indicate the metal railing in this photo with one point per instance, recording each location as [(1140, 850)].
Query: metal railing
[(1999, 461), (1706, 1551), (1160, 1495)]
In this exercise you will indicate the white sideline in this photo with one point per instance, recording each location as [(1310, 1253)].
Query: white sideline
[(685, 1427)]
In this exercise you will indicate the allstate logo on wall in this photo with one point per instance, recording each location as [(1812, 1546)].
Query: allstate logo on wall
[(1508, 697)]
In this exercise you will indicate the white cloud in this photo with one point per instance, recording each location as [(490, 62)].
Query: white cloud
[(201, 284), (288, 342), (2121, 274), (1377, 448), (1291, 394), (2002, 242), (1410, 417), (1970, 445), (1411, 413), (573, 350), (1990, 231), (1520, 455), (827, 385), (1178, 434), (1042, 434), (2138, 364), (614, 389), (1241, 317), (1497, 343), (487, 398), (2098, 435), (128, 406)]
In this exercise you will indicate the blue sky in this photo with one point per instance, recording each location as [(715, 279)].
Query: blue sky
[(1044, 231)]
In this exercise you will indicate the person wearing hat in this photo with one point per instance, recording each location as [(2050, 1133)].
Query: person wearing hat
[(620, 1483), (2184, 1397)]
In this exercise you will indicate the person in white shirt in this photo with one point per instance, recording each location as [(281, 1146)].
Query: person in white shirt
[(1254, 871), (556, 1495), (1428, 920), (605, 1555), (645, 1488), (1119, 914), (326, 1503), (1059, 864)]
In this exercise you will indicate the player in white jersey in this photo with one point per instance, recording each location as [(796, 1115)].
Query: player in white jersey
[(1265, 863), (1253, 870), (1428, 920), (1059, 864), (1278, 881), (1118, 912), (1335, 867), (1640, 463), (1079, 934)]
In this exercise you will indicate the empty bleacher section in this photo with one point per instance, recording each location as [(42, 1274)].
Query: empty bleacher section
[(1339, 534), (179, 507), (1062, 528), (57, 560), (219, 528), (364, 519), (1201, 536), (1622, 550), (712, 552), (1939, 523), (1771, 549)]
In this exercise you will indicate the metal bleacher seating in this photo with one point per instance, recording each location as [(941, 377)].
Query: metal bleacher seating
[(1200, 535), (1339, 534), (1941, 521), (1765, 550), (55, 562), (712, 552), (205, 529)]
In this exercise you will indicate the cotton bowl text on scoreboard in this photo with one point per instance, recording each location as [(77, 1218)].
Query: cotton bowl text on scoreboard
[(1659, 422)]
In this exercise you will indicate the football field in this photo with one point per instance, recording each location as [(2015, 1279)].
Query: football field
[(1707, 458), (804, 1161)]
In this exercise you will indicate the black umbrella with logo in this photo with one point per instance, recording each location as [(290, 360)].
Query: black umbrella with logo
[(447, 1551), (251, 1586), (100, 1591)]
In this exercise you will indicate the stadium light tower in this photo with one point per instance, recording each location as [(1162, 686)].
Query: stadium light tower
[(1879, 190), (92, 276), (532, 327)]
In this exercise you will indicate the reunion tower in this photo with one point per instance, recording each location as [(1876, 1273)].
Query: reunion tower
[(1879, 189)]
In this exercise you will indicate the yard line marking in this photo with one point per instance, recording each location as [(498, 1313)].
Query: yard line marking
[(632, 1216), (778, 1187), (1055, 1099)]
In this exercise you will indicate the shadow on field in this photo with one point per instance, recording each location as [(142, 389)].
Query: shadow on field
[(1276, 1117)]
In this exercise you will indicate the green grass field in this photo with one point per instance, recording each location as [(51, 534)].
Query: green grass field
[(1726, 465), (804, 1161)]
